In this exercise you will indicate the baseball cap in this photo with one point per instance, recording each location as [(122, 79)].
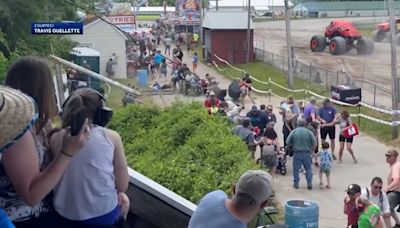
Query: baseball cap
[(254, 107), (353, 189), (255, 183), (313, 99), (212, 93)]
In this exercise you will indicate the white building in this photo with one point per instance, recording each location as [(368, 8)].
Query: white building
[(107, 40), (154, 10), (276, 6)]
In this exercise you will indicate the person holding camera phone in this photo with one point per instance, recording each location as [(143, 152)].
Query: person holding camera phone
[(91, 191), (26, 174)]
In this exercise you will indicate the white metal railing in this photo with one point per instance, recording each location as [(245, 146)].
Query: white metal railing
[(306, 91)]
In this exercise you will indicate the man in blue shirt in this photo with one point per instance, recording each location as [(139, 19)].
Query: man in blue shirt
[(326, 115), (309, 111), (250, 196), (157, 60), (257, 118)]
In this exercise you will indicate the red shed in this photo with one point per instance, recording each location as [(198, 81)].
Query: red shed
[(225, 34)]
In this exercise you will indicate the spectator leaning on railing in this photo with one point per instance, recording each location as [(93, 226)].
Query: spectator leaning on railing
[(250, 195), (26, 176), (91, 191), (17, 116)]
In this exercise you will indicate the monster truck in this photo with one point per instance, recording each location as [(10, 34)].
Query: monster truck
[(383, 31), (341, 36)]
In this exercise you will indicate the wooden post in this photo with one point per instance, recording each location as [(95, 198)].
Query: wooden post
[(395, 89)]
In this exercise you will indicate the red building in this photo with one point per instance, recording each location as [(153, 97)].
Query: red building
[(225, 35)]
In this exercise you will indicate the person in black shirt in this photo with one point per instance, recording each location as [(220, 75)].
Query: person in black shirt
[(178, 52)]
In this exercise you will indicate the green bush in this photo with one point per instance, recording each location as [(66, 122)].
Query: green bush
[(182, 148)]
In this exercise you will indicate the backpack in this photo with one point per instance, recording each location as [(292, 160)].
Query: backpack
[(380, 197), (269, 149)]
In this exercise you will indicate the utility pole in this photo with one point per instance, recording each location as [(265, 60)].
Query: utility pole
[(201, 21), (289, 45), (216, 5), (395, 85), (248, 33)]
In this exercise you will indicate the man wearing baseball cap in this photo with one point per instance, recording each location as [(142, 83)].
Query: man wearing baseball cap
[(250, 195), (350, 206)]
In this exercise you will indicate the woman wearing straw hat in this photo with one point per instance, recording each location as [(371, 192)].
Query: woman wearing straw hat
[(17, 114), (25, 176)]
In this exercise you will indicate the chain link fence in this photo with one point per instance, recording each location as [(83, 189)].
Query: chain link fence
[(372, 94)]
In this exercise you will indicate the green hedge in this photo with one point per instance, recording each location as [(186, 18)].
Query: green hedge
[(182, 148)]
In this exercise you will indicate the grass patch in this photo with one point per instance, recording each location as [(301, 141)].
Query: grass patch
[(263, 71), (114, 99), (150, 17)]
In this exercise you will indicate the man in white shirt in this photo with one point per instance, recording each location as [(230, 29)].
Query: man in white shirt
[(375, 194)]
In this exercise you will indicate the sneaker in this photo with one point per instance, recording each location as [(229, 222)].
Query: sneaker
[(327, 186), (334, 156), (309, 187), (296, 186)]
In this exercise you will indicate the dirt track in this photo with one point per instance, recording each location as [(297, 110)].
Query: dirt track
[(374, 68)]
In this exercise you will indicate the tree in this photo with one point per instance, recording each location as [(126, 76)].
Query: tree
[(16, 40), (16, 16)]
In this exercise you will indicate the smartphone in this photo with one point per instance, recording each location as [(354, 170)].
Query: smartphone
[(77, 120)]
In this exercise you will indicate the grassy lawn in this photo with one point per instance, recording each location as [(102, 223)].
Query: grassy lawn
[(262, 72), (151, 17), (116, 94)]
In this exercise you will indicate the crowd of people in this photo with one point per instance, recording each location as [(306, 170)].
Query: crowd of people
[(303, 128), (52, 177)]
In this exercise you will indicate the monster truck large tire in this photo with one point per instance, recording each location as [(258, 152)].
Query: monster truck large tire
[(337, 45), (365, 46), (318, 43), (378, 35)]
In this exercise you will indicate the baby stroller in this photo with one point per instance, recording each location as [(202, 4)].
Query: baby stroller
[(281, 167), (195, 85)]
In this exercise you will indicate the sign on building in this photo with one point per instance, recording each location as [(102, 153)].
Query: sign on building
[(121, 15), (189, 12)]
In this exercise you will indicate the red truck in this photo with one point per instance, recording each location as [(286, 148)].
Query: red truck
[(342, 36)]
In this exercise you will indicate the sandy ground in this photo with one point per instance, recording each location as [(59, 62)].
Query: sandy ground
[(374, 68)]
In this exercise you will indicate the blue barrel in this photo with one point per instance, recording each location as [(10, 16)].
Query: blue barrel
[(301, 214), (5, 222), (142, 78)]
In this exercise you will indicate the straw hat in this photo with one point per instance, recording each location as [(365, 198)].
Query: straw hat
[(18, 114)]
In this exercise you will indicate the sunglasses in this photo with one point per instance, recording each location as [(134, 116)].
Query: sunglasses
[(378, 187)]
